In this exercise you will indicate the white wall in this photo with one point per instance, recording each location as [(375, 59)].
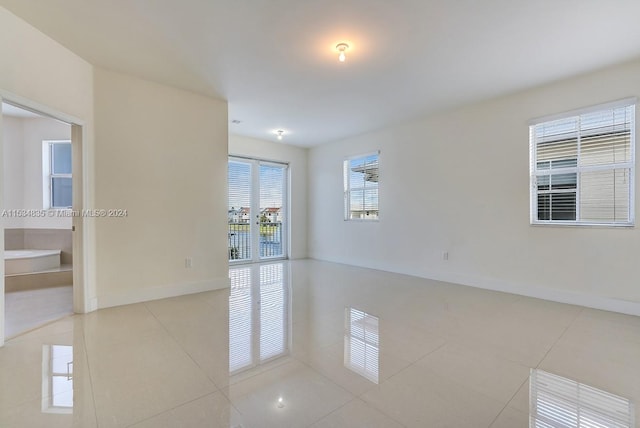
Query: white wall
[(12, 179), (38, 71), (459, 182), (161, 154), (23, 180), (297, 159)]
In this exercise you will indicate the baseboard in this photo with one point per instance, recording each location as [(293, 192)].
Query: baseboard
[(545, 293), (160, 292)]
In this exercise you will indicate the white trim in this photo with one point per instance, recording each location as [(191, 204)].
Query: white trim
[(40, 109), (248, 158), (590, 109), (544, 293), (539, 292), (363, 155), (347, 188), (160, 292), (534, 172), (2, 225)]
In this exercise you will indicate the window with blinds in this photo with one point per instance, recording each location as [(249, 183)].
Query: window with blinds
[(556, 401), (582, 167), (361, 343), (361, 187)]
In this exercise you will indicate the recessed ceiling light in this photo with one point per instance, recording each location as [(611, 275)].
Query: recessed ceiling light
[(236, 121), (342, 47), (279, 133)]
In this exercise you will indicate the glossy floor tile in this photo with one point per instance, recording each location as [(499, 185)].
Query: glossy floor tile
[(28, 309), (314, 344)]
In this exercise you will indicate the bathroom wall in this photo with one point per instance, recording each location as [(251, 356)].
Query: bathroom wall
[(23, 175), (41, 239)]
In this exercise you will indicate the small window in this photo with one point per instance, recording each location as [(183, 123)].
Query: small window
[(582, 167), (361, 187), (57, 173)]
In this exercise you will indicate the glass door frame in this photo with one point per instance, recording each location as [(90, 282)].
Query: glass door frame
[(254, 209)]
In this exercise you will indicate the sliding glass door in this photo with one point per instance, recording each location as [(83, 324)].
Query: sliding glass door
[(257, 210)]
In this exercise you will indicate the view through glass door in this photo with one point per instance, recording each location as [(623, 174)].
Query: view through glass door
[(257, 208)]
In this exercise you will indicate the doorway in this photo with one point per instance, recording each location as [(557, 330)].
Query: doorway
[(257, 210), (41, 157)]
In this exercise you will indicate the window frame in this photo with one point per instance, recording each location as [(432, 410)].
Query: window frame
[(348, 189), (577, 169), (48, 174)]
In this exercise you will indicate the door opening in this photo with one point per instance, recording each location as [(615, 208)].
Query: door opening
[(257, 210), (41, 167)]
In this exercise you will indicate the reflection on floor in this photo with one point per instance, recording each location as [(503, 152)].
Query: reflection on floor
[(25, 310), (313, 344)]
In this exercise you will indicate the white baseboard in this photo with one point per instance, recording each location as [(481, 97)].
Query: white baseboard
[(160, 292), (545, 293)]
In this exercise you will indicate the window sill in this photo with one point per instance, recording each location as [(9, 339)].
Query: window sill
[(588, 225)]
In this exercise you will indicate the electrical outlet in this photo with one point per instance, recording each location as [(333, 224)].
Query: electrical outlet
[(188, 263), (445, 255)]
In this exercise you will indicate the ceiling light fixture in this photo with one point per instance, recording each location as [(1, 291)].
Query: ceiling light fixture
[(342, 47), (279, 132)]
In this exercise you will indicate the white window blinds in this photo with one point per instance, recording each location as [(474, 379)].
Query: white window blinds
[(273, 310), (556, 401), (582, 168), (361, 343), (259, 316), (240, 320), (361, 187)]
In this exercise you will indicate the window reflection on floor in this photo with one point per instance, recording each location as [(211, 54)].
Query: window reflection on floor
[(556, 401), (361, 343), (259, 316), (57, 379)]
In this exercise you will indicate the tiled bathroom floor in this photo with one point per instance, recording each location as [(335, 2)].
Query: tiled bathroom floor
[(25, 310)]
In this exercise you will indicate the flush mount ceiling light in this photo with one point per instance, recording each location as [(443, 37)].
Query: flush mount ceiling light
[(342, 47), (279, 133)]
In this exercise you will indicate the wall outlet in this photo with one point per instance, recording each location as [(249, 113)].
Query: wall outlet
[(445, 255), (188, 263)]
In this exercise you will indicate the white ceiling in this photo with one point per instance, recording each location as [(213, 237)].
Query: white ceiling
[(276, 64)]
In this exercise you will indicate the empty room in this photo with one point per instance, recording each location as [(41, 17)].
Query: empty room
[(279, 213)]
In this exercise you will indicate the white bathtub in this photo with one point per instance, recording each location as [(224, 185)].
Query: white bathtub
[(26, 261)]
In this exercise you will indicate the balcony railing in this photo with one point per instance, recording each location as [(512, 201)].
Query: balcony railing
[(240, 240)]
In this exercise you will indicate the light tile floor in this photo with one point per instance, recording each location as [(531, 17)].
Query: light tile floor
[(314, 344), (28, 309)]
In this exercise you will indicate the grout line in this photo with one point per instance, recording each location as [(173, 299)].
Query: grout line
[(172, 408), (560, 337), (187, 353), (538, 365), (508, 401), (215, 385), (86, 354)]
